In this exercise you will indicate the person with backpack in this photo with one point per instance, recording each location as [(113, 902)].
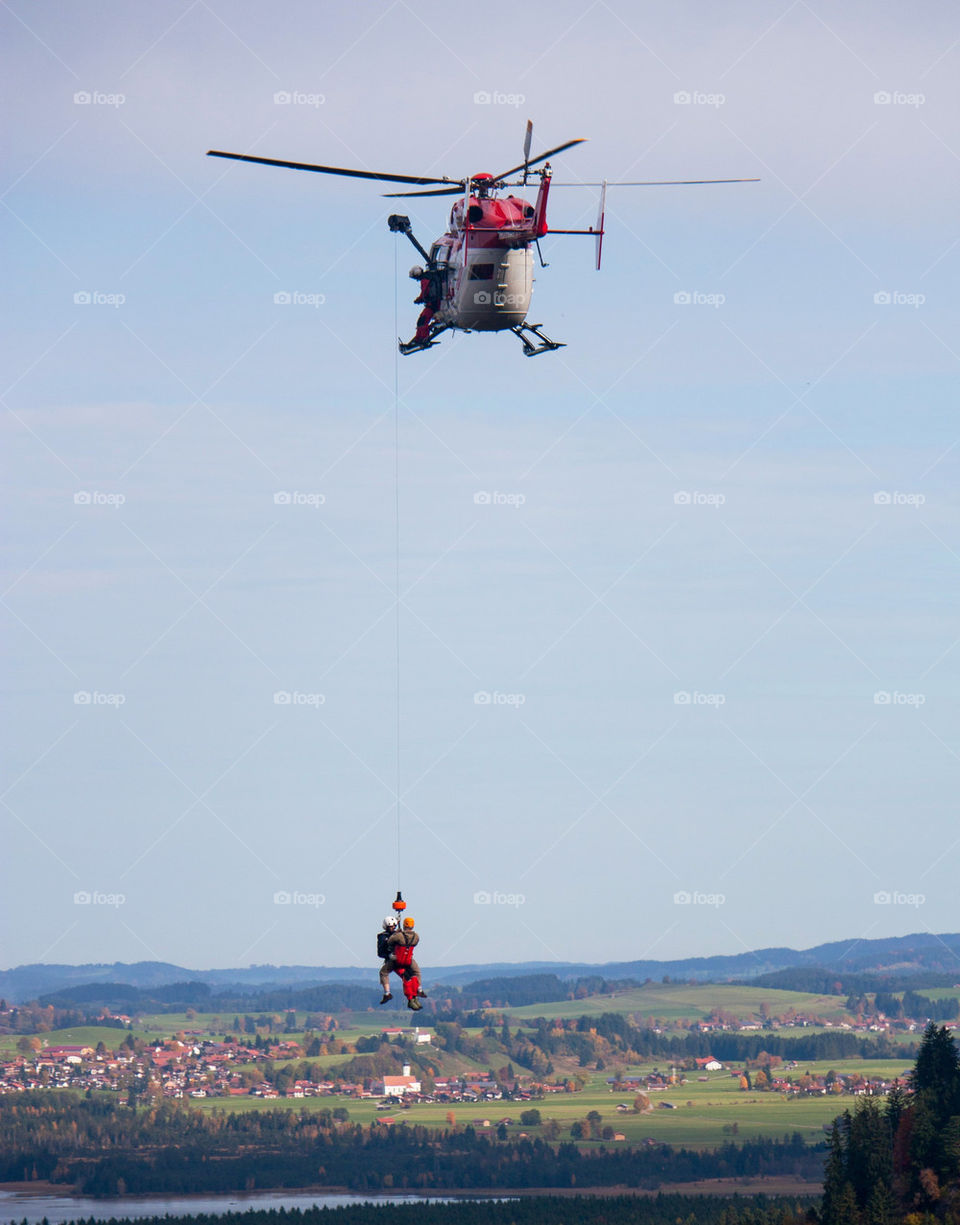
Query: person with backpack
[(396, 944)]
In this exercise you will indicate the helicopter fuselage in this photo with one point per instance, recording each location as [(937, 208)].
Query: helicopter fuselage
[(485, 262)]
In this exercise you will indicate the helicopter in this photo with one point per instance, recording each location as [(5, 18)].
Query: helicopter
[(478, 276)]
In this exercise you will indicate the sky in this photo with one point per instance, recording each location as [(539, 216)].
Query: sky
[(677, 622)]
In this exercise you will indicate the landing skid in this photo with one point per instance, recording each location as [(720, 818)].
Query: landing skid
[(407, 347), (546, 345)]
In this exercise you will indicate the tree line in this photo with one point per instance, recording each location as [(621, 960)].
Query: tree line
[(102, 1148), (901, 1162)]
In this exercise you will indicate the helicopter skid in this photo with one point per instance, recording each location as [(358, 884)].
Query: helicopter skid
[(407, 347), (546, 345)]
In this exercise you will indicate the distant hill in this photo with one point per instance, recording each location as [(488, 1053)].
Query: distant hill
[(922, 954)]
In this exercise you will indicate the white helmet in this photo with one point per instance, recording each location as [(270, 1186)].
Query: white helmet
[(415, 273), (389, 923)]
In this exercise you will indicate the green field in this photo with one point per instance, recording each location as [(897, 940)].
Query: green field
[(703, 1108), (672, 1001)]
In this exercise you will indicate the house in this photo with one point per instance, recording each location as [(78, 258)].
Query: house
[(397, 1086), (68, 1054), (709, 1064)]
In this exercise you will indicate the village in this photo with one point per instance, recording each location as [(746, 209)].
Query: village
[(191, 1066)]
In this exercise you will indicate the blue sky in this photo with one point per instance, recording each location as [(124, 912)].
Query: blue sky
[(748, 502)]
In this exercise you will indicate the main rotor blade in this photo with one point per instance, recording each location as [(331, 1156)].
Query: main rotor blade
[(437, 191), (541, 157), (352, 174), (648, 183)]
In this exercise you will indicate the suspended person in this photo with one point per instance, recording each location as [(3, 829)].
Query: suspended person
[(429, 297), (399, 946), (389, 926)]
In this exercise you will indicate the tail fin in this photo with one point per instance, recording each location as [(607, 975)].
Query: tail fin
[(600, 216)]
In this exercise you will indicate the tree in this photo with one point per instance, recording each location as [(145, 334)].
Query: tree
[(936, 1073), (834, 1178), (530, 1118)]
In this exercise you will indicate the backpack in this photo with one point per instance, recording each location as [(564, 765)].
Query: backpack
[(383, 949)]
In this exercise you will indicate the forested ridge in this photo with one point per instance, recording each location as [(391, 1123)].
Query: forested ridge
[(900, 1162), (99, 1147)]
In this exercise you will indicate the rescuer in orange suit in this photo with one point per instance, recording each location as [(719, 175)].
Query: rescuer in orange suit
[(400, 945)]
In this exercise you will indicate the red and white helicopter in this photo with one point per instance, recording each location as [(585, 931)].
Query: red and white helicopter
[(478, 277)]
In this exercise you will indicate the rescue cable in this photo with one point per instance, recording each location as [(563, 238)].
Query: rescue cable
[(396, 516)]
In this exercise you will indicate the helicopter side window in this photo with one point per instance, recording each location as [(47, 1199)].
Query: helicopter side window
[(481, 272), (439, 255)]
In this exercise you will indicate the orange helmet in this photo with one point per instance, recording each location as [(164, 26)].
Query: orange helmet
[(408, 923)]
